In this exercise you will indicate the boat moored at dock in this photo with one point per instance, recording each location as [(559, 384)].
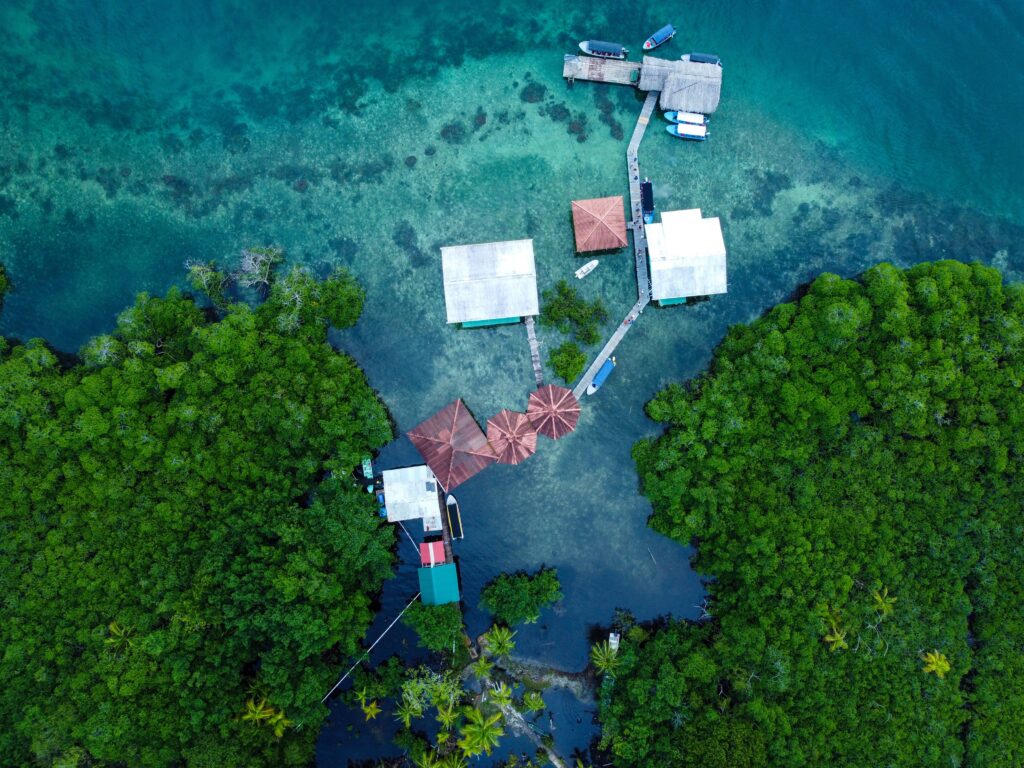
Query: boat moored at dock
[(647, 200), (454, 517), (586, 269), (687, 131), (602, 375), (660, 37), (701, 58), (604, 50), (692, 118)]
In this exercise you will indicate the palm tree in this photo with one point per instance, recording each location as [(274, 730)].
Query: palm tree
[(279, 723), (447, 716), (605, 658), (883, 603), (371, 710), (501, 695), (533, 701), (426, 759), (480, 733), (936, 661), (836, 637), (454, 760), (482, 667), (257, 711), (499, 641), (120, 638), (406, 711)]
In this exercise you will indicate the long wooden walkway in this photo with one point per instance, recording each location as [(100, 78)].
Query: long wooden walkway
[(643, 280), (538, 369)]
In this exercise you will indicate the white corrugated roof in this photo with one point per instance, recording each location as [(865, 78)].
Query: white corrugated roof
[(488, 281), (687, 255), (410, 493)]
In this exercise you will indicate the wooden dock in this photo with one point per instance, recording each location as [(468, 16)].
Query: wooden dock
[(614, 71), (538, 369), (446, 534), (643, 280)]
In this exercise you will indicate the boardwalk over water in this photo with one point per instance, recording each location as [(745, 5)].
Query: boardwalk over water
[(600, 70), (538, 370), (643, 281)]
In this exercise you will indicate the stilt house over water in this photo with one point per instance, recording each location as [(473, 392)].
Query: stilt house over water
[(686, 86), (411, 493), (490, 283), (686, 255), (599, 224)]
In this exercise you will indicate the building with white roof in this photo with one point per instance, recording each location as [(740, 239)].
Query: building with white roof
[(411, 493), (490, 283), (686, 253)]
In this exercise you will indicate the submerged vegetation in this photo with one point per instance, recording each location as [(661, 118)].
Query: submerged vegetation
[(520, 597), (567, 361), (185, 560), (565, 310), (852, 468)]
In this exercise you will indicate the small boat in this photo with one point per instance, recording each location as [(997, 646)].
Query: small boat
[(603, 50), (454, 517), (702, 58), (686, 131), (603, 373), (586, 269), (663, 35), (647, 200), (693, 118)]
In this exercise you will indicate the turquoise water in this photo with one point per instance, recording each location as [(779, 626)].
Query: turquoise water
[(134, 137)]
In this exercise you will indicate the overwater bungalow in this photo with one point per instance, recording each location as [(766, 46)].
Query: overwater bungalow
[(439, 584), (411, 493), (685, 86), (599, 224), (686, 257), (490, 283), (453, 445)]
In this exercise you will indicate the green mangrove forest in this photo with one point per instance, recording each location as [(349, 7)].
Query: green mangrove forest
[(186, 562), (851, 471)]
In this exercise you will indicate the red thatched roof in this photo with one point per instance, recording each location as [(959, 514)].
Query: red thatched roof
[(553, 410), (600, 224), (453, 445), (512, 436)]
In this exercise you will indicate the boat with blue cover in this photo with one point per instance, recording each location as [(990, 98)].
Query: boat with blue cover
[(660, 37), (687, 131), (604, 50), (602, 374), (701, 58), (647, 200), (693, 118)]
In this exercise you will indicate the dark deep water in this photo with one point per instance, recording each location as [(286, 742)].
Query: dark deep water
[(136, 136)]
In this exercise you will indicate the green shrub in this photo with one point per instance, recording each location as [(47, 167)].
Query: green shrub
[(567, 361), (439, 627), (565, 310), (519, 597)]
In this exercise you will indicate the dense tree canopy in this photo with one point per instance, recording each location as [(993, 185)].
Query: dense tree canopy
[(851, 469), (180, 581)]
